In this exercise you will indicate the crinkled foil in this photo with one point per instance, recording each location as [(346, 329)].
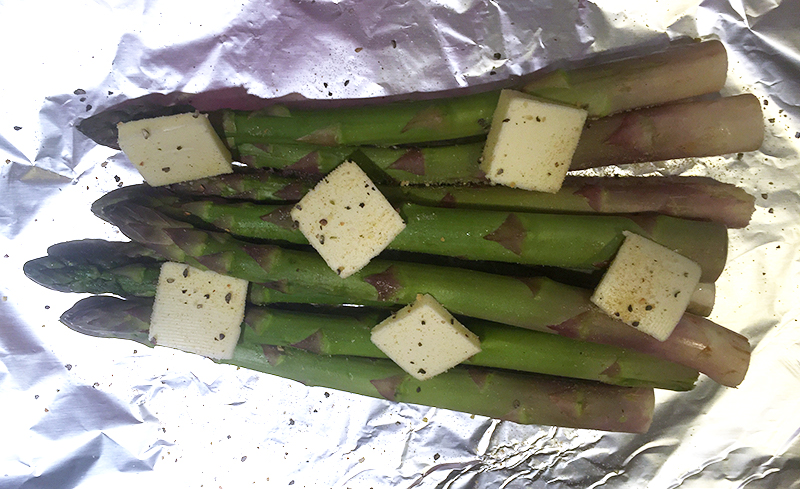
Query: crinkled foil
[(86, 412)]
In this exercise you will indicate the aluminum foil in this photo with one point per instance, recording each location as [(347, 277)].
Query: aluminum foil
[(85, 412)]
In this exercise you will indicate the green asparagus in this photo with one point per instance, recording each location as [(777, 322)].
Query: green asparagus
[(692, 129), (687, 197), (678, 73), (98, 267), (514, 396), (532, 303), (675, 74), (501, 347), (569, 241), (680, 130), (451, 163)]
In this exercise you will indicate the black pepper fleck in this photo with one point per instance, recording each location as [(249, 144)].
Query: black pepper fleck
[(228, 297)]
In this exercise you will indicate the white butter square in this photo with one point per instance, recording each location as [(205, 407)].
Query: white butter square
[(647, 286), (425, 339), (198, 311), (174, 148), (346, 219), (531, 142)]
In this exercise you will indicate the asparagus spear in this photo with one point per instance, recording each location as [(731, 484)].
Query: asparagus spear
[(532, 303), (451, 163), (688, 197), (569, 241), (680, 130), (396, 123), (502, 346), (677, 73), (97, 266), (348, 333), (514, 396), (690, 129), (116, 267), (256, 185)]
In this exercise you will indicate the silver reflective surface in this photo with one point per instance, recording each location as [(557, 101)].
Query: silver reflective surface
[(77, 411)]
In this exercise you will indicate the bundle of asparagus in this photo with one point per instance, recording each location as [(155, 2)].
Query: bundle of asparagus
[(508, 259)]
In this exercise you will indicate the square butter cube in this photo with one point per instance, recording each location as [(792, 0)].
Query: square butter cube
[(647, 286), (174, 148), (346, 219), (531, 142), (425, 339), (198, 311)]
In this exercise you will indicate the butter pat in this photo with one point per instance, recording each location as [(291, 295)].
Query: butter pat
[(174, 148), (531, 143), (425, 339), (647, 286), (346, 219), (198, 311)]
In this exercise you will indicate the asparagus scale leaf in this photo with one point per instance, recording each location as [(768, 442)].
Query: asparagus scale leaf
[(514, 396)]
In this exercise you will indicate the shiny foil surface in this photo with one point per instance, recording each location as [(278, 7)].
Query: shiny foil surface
[(79, 411)]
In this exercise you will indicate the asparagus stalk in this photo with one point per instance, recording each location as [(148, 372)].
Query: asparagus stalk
[(687, 197), (452, 163), (378, 124), (111, 317), (681, 130), (348, 333), (569, 241), (675, 74), (678, 73), (697, 198), (98, 267), (514, 396), (502, 346), (532, 303), (690, 129), (133, 280), (116, 267), (258, 185)]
